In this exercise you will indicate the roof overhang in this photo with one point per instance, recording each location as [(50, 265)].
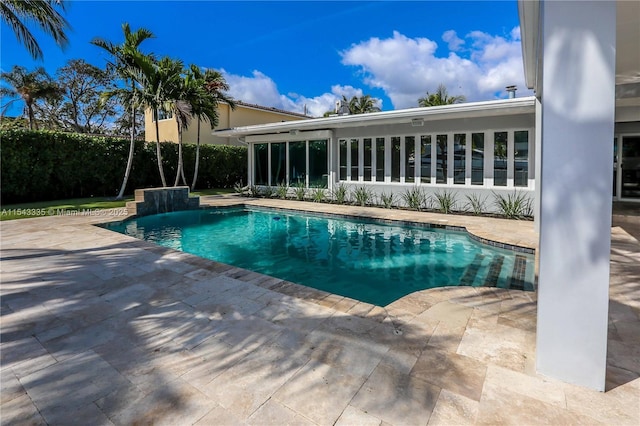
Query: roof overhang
[(446, 112), (529, 14)]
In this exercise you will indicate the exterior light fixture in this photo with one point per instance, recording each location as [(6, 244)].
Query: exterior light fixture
[(417, 122), (293, 132)]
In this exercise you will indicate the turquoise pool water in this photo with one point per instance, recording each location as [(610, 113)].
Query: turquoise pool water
[(366, 260)]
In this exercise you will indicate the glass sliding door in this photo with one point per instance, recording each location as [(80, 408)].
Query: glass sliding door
[(318, 167), (477, 159), (425, 158), (379, 159), (367, 159), (354, 159), (500, 159), (630, 166), (395, 159), (459, 158), (278, 163), (441, 161), (343, 159), (261, 164), (297, 163), (409, 159), (521, 156)]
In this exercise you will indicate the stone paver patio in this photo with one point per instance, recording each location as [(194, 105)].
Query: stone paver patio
[(100, 328)]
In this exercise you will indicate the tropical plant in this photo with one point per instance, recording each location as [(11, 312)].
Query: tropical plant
[(362, 195), (440, 97), (17, 14), (514, 206), (300, 191), (282, 190), (388, 200), (238, 187), (340, 194), (253, 191), (360, 104), (318, 195), (211, 85), (414, 198), (475, 203), (27, 87), (267, 192), (127, 61), (445, 201)]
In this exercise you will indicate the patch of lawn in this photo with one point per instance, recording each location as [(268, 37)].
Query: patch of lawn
[(52, 208), (56, 207)]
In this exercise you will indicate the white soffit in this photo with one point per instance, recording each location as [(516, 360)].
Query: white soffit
[(501, 107)]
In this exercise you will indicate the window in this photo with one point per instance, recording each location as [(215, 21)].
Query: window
[(260, 170), (380, 159), (441, 164), (162, 115), (354, 159), (409, 159), (318, 172), (477, 158), (500, 159), (425, 158), (297, 163), (343, 159), (395, 159), (367, 159), (278, 163), (521, 157), (459, 158)]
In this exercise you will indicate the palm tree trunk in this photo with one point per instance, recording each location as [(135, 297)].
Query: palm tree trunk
[(179, 172), (159, 156), (131, 151), (32, 120), (195, 172)]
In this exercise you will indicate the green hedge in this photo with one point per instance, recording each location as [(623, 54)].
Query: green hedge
[(45, 165)]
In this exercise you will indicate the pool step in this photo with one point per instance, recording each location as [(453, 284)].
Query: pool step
[(472, 270), (494, 271), (518, 275)]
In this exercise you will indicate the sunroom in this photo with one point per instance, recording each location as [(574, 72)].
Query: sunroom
[(480, 149)]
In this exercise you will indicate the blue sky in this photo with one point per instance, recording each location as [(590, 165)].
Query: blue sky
[(299, 53)]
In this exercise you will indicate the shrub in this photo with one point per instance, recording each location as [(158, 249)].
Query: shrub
[(475, 204), (388, 200), (414, 198), (281, 191), (340, 194), (300, 191), (514, 206), (267, 192), (47, 165), (318, 195), (362, 195), (445, 201)]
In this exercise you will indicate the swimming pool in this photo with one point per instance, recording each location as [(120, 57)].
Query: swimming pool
[(375, 262)]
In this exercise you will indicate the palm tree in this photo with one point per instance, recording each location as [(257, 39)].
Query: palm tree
[(27, 87), (126, 59), (211, 87), (361, 104), (441, 97), (16, 13)]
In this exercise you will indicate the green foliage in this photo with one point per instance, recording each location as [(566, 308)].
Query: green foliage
[(388, 200), (267, 192), (445, 201), (238, 187), (253, 191), (362, 195), (45, 165), (475, 204), (414, 198), (281, 191), (514, 206), (340, 194), (318, 195), (300, 191)]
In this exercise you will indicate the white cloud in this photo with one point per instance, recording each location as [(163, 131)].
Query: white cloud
[(452, 40), (406, 68), (260, 89)]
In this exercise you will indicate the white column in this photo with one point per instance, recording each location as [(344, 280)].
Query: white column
[(578, 102)]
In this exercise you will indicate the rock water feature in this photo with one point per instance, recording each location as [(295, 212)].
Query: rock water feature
[(150, 201)]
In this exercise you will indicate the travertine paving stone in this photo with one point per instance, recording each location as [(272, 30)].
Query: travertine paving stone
[(100, 328)]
